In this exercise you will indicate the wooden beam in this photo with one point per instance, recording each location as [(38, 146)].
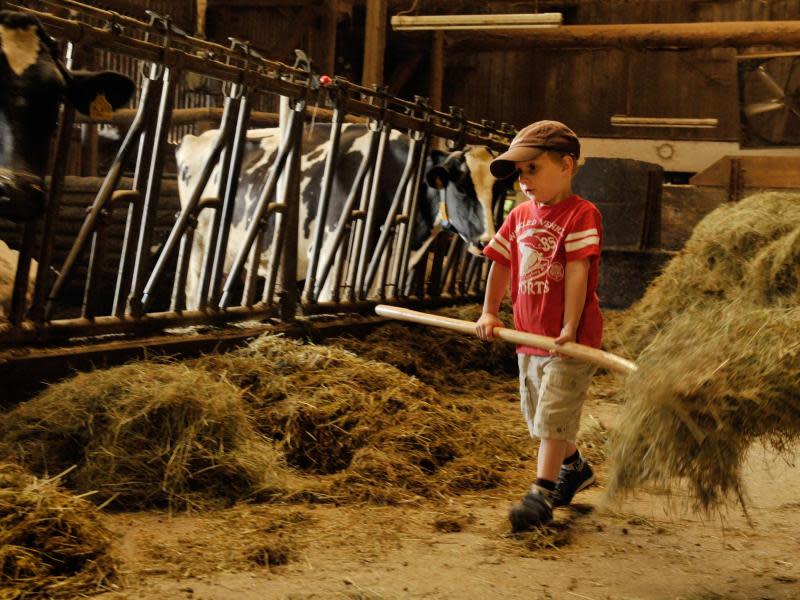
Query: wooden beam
[(262, 3), (437, 70), (374, 43), (403, 72), (639, 35), (753, 172)]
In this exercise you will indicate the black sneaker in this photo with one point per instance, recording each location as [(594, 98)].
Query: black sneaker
[(571, 480), (535, 510)]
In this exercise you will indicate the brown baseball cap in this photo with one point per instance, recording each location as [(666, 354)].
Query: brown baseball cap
[(531, 141)]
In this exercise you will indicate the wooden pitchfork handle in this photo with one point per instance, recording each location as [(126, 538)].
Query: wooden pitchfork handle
[(571, 349)]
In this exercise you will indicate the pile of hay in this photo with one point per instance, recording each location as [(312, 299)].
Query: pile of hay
[(366, 430), (720, 360), (52, 545), (438, 357), (746, 252), (145, 434)]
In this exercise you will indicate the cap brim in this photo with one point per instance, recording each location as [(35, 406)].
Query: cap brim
[(503, 166)]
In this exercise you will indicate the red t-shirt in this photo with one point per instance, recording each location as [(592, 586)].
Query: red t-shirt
[(536, 242)]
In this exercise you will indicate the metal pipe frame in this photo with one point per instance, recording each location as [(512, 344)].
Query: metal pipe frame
[(261, 210), (375, 190), (188, 212), (170, 52), (230, 113), (345, 220), (389, 223), (104, 195), (229, 197), (152, 195), (329, 172), (148, 105)]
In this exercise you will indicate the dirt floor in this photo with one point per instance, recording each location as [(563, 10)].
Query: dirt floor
[(649, 547)]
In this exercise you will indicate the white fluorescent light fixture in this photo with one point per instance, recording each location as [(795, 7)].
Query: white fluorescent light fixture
[(456, 22), (625, 121)]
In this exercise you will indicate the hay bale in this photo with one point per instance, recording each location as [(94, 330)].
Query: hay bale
[(714, 381), (749, 246), (145, 434), (52, 544), (364, 429)]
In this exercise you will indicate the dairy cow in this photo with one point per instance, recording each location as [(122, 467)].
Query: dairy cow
[(468, 188), (33, 82)]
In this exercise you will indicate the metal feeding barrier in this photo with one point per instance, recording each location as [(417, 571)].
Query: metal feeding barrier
[(368, 252)]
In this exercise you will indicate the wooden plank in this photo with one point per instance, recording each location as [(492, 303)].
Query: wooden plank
[(374, 43), (754, 172), (634, 35)]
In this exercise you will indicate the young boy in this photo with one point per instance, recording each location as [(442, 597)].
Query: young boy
[(548, 249)]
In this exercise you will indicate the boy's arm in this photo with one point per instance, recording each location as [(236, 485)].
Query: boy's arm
[(576, 279), (496, 285)]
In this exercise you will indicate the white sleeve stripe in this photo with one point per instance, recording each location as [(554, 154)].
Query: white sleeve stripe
[(590, 241), (502, 241), (497, 247), (580, 234)]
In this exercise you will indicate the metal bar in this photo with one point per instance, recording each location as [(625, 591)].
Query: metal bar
[(178, 299), (288, 262), (390, 217), (51, 216), (18, 293), (142, 261), (212, 234), (371, 209), (229, 198), (257, 221), (148, 105), (249, 292), (97, 257), (103, 197), (328, 175), (341, 259), (414, 190), (346, 217)]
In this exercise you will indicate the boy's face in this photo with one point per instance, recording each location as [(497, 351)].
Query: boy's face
[(547, 178)]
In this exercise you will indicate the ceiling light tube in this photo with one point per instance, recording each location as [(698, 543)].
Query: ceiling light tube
[(452, 22)]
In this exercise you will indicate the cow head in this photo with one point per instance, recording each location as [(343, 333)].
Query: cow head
[(32, 84), (467, 193)]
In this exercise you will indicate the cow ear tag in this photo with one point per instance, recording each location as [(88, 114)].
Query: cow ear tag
[(100, 108)]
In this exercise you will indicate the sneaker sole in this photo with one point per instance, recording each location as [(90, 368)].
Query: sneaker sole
[(580, 488)]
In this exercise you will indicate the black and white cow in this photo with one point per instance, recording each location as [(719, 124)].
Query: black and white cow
[(468, 185), (33, 82)]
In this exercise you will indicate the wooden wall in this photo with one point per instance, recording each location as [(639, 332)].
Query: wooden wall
[(586, 87)]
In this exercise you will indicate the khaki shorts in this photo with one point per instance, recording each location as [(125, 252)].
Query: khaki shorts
[(552, 391)]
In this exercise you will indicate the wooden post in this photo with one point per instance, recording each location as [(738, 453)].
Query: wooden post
[(330, 21), (374, 43), (437, 70)]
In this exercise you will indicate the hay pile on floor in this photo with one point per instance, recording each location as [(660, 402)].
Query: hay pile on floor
[(365, 429), (439, 357), (720, 367), (52, 545), (144, 434)]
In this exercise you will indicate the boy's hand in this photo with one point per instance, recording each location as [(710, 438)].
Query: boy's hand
[(568, 334), (484, 326)]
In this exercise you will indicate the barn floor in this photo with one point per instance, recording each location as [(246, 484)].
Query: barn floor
[(649, 547)]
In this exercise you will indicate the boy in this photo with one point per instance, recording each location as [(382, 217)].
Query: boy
[(548, 249)]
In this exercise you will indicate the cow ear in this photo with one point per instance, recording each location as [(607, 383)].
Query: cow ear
[(85, 89), (437, 177)]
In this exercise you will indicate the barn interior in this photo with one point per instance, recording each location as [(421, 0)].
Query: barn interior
[(200, 405)]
